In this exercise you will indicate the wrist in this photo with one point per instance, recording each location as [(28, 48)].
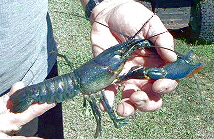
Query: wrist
[(101, 7), (90, 6)]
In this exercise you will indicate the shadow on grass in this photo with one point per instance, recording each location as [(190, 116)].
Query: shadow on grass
[(184, 34), (181, 33)]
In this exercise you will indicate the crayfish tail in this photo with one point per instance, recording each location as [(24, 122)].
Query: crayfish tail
[(198, 67), (20, 101)]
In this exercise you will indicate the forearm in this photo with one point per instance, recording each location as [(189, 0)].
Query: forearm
[(84, 2)]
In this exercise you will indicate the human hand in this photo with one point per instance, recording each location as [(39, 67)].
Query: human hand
[(10, 122), (128, 17)]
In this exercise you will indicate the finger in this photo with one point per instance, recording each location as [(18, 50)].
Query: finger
[(158, 34), (125, 108), (16, 86), (3, 103), (166, 40), (146, 99), (7, 123), (164, 86), (4, 136), (22, 137), (32, 112)]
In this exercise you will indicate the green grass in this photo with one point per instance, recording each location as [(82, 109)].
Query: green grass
[(187, 112)]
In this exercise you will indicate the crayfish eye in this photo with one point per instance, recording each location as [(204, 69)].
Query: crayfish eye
[(121, 51)]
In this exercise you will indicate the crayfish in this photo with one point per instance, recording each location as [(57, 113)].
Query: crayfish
[(98, 73)]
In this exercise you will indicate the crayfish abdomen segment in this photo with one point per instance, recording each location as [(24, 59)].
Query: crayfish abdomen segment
[(56, 89)]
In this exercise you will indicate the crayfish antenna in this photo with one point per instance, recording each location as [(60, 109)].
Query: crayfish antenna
[(121, 33), (70, 64), (143, 26), (89, 19)]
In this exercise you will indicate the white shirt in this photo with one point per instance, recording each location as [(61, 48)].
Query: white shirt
[(26, 40)]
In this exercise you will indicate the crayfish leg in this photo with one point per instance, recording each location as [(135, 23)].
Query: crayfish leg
[(84, 101), (96, 113), (117, 122)]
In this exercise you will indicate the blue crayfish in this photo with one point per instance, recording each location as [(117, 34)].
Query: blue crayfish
[(98, 73)]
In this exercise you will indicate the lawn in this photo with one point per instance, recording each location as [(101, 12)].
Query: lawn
[(187, 112)]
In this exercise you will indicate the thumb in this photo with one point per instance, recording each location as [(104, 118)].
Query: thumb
[(16, 86)]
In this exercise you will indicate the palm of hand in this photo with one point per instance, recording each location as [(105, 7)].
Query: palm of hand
[(141, 94)]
